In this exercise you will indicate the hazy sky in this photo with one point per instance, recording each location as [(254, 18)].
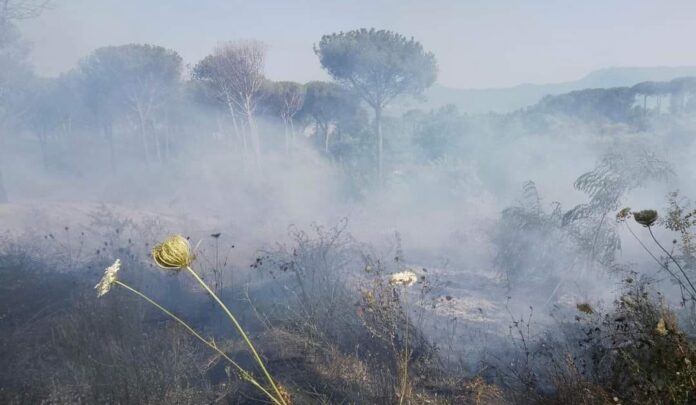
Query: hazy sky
[(487, 43)]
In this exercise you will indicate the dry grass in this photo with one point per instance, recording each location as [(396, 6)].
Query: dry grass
[(334, 333)]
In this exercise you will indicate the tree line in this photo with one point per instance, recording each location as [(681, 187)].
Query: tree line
[(143, 96), (142, 103), (630, 105)]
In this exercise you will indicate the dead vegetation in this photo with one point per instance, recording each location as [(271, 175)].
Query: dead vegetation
[(331, 322)]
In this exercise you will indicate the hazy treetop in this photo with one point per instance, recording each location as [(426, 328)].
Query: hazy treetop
[(379, 64), (478, 43)]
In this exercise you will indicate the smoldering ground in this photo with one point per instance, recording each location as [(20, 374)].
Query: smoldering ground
[(506, 223)]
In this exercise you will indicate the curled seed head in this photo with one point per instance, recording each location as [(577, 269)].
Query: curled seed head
[(645, 217), (173, 253)]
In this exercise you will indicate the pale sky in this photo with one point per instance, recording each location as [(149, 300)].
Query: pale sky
[(478, 43)]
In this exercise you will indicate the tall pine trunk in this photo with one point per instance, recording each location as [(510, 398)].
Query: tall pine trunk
[(292, 135), (143, 135), (380, 142), (253, 131), (109, 134), (326, 140), (286, 128), (3, 192), (43, 144), (241, 136)]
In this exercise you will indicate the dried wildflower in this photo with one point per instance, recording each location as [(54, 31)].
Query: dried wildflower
[(623, 215), (645, 217), (405, 278), (585, 308), (284, 394), (661, 328), (369, 298), (109, 278), (628, 301), (173, 253)]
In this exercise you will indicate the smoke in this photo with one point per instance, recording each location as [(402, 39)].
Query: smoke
[(448, 211)]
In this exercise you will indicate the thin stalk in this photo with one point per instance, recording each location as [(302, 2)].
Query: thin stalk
[(693, 289), (405, 365), (663, 265), (242, 333), (649, 252), (245, 374)]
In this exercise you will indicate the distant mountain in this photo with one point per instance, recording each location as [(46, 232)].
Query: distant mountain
[(501, 100)]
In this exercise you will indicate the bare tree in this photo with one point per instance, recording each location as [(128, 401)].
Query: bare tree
[(136, 81), (286, 99), (293, 100), (213, 71), (235, 71)]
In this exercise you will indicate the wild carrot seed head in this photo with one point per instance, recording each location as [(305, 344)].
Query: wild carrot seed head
[(109, 278), (173, 253)]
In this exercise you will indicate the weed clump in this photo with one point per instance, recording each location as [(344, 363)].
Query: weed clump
[(638, 352)]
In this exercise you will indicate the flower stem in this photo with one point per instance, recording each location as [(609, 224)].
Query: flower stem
[(693, 289), (245, 374), (683, 287), (404, 383), (664, 266), (242, 333)]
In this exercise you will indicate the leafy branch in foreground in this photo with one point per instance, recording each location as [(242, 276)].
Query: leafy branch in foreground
[(175, 254)]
